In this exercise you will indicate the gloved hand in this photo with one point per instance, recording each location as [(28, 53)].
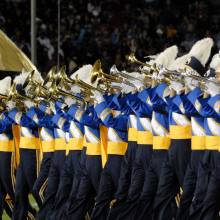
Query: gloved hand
[(28, 104), (139, 85), (52, 107), (69, 101), (127, 89), (212, 88), (191, 83), (97, 96), (10, 105), (160, 75), (177, 86)]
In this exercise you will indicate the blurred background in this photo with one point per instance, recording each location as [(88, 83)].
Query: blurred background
[(109, 29)]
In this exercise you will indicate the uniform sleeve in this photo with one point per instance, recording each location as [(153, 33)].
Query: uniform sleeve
[(214, 103), (104, 113), (87, 118), (61, 121), (15, 115), (140, 108)]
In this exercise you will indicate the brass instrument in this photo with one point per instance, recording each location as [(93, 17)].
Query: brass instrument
[(51, 75), (132, 59), (98, 74), (115, 71), (55, 91), (3, 96), (64, 80), (62, 77), (14, 95), (36, 89)]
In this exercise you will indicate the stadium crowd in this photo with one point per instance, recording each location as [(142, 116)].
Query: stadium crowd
[(107, 29)]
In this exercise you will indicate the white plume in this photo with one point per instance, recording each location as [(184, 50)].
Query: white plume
[(5, 85), (166, 57), (37, 77), (179, 63), (20, 79), (215, 63), (83, 72), (201, 50)]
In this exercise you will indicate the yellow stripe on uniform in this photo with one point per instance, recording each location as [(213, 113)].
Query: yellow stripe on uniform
[(198, 143), (29, 143), (117, 148), (42, 189), (144, 137), (180, 132), (212, 142), (161, 143), (132, 134), (93, 149)]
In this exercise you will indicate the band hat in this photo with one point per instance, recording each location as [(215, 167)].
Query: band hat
[(5, 85), (179, 63), (214, 66), (84, 74), (166, 57), (20, 79), (199, 55)]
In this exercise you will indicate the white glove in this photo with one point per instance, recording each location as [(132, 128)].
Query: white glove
[(127, 89), (138, 84), (97, 96), (10, 105), (69, 101), (212, 88), (160, 75), (191, 83), (177, 86), (28, 103), (146, 68), (52, 107)]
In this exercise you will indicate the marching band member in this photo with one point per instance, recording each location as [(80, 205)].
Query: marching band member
[(7, 154), (91, 166), (172, 174), (198, 142), (46, 127), (161, 142), (70, 173), (145, 140), (61, 123), (29, 155), (116, 148), (210, 204)]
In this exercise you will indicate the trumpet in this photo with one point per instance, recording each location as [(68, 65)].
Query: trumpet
[(14, 95), (122, 76), (98, 74), (50, 76), (132, 59), (63, 80), (54, 91)]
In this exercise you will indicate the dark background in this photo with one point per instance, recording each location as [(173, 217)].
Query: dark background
[(109, 29)]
